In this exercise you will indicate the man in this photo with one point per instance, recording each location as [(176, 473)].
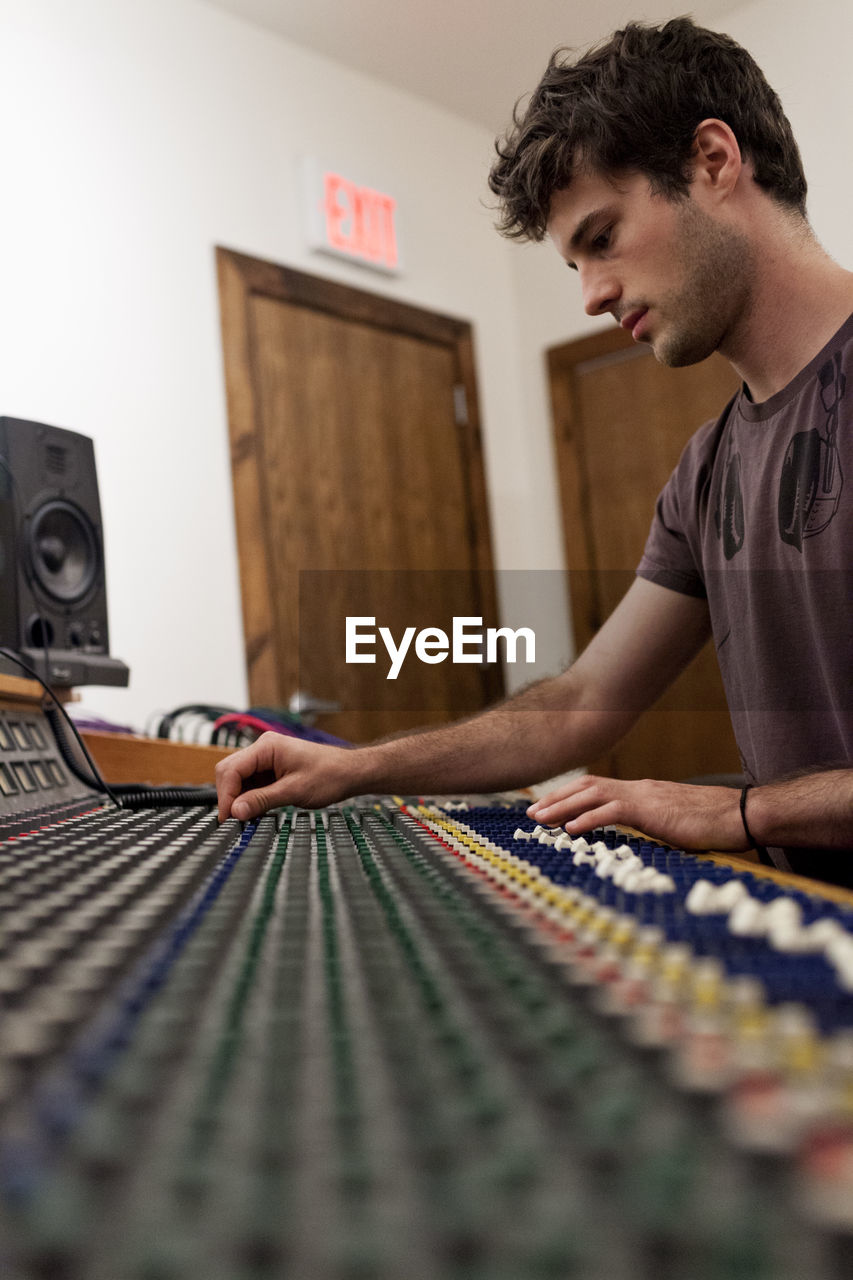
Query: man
[(664, 171)]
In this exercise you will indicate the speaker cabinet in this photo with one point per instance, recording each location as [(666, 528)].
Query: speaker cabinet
[(53, 598)]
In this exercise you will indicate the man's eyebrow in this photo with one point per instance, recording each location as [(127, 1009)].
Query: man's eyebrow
[(582, 229)]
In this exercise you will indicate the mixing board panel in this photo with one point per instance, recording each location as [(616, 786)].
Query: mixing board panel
[(32, 772), (402, 1041)]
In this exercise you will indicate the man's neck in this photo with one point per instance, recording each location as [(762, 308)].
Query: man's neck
[(800, 299)]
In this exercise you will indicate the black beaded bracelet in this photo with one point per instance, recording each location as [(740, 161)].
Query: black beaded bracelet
[(750, 837)]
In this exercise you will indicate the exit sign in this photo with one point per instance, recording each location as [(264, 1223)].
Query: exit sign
[(351, 220)]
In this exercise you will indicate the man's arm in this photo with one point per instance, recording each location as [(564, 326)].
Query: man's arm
[(813, 810), (552, 726)]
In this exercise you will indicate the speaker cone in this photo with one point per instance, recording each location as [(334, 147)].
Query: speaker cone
[(63, 551)]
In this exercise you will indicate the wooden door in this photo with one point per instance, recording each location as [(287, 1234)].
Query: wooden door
[(359, 492), (621, 421)]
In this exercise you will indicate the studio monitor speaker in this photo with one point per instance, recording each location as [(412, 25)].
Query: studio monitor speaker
[(53, 599)]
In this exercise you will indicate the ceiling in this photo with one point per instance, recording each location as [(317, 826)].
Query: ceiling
[(472, 57)]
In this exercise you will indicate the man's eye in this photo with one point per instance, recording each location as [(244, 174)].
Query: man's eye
[(602, 240)]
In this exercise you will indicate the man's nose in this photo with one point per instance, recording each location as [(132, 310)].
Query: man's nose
[(600, 290)]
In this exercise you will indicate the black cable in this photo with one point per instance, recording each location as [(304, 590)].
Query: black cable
[(133, 796), (57, 725)]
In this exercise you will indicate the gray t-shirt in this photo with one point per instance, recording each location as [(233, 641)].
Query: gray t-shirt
[(758, 518)]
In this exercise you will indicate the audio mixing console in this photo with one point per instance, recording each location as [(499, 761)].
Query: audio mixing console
[(398, 1040)]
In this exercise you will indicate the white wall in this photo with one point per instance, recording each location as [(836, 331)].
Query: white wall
[(805, 54), (136, 137)]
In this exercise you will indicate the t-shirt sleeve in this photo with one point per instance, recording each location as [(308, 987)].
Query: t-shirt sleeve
[(672, 555), (667, 558)]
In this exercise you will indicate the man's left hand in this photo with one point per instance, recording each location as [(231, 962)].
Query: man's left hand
[(685, 816)]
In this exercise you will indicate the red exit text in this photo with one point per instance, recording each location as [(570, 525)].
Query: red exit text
[(359, 221)]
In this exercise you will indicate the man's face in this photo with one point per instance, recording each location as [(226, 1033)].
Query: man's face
[(668, 271)]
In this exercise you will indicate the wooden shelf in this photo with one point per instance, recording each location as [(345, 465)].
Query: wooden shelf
[(124, 758), (19, 689)]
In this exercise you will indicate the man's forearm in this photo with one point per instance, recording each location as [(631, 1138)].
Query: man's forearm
[(540, 732), (815, 809)]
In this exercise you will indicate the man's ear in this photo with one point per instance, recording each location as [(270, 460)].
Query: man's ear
[(716, 160)]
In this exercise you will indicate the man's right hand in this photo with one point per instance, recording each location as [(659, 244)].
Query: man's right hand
[(279, 769)]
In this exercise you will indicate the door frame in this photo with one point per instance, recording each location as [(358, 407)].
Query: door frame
[(241, 278)]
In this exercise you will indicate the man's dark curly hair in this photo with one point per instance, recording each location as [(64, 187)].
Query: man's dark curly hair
[(633, 104)]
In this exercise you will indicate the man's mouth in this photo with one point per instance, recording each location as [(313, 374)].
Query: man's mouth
[(633, 322)]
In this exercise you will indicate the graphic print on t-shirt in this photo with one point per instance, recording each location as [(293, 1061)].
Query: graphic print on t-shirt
[(811, 481), (728, 515)]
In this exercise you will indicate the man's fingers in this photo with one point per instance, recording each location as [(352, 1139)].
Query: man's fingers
[(568, 794), (260, 756), (580, 815), (583, 797), (251, 804), (552, 814), (246, 798), (229, 784), (254, 763), (544, 803), (599, 817)]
